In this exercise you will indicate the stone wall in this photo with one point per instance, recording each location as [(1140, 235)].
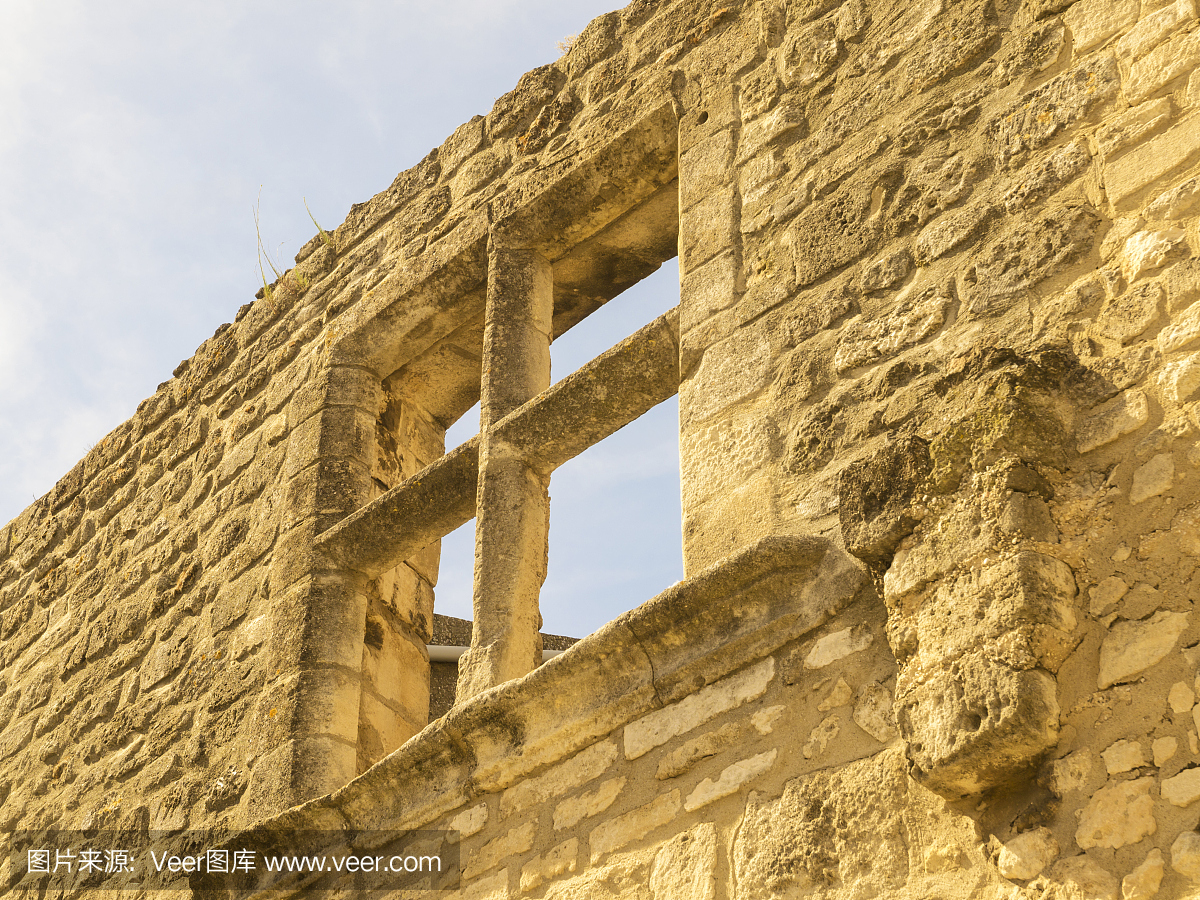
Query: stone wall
[(939, 311)]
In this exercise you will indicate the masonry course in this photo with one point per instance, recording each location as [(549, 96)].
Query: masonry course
[(935, 353)]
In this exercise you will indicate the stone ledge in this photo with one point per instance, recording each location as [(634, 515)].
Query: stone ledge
[(692, 634)]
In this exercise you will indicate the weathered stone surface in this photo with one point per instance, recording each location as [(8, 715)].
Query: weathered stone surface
[(1143, 882), (1026, 855), (587, 804), (634, 825), (921, 311), (1148, 165), (1036, 118), (1117, 815), (1185, 855), (1083, 877), (497, 850), (578, 770), (1026, 255), (838, 645), (873, 712), (556, 861), (1123, 756), (730, 781), (1180, 378), (1182, 789), (1183, 332), (1132, 647), (659, 727), (981, 726), (1119, 416), (1164, 64), (1094, 21), (1152, 479), (686, 867), (849, 825)]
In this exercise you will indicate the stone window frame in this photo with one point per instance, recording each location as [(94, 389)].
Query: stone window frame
[(536, 270)]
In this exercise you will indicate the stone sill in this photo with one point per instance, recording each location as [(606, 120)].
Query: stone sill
[(692, 634)]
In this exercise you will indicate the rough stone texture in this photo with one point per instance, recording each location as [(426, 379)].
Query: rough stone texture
[(939, 311), (1026, 855)]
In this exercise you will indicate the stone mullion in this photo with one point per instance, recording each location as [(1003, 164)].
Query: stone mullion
[(512, 500)]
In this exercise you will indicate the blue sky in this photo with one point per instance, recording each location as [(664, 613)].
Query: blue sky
[(135, 138)]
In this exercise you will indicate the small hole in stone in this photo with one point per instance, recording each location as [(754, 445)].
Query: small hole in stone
[(974, 722), (702, 118)]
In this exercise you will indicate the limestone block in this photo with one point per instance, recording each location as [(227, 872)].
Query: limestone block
[(578, 770), (1117, 815), (1181, 697), (1150, 163), (1123, 414), (1132, 647), (705, 167), (633, 826), (951, 230), (1147, 250), (1183, 789), (1176, 203), (873, 712), (587, 804), (1143, 882), (886, 272), (1021, 606), (706, 291), (976, 725), (1134, 125), (764, 720), (1154, 28), (1030, 250), (1180, 378), (1106, 594), (839, 645), (730, 781), (469, 821), (660, 726), (684, 758), (497, 850), (494, 887), (1083, 877), (706, 229), (864, 825), (1095, 21), (1026, 855), (1152, 479), (1183, 332), (1071, 772), (1185, 855), (839, 695), (819, 737), (545, 867), (785, 119), (807, 55), (686, 866), (1128, 315), (1164, 749), (1164, 64), (919, 312), (1034, 119), (1123, 756), (626, 878)]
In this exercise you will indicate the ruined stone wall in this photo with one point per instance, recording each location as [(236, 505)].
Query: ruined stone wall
[(939, 309)]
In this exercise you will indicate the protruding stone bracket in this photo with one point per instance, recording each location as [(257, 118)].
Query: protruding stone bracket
[(556, 426)]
